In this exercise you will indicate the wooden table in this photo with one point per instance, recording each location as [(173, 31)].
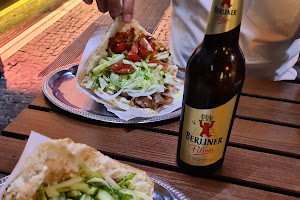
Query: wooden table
[(262, 160)]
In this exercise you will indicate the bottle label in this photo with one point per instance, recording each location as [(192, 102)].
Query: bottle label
[(204, 133), (224, 16)]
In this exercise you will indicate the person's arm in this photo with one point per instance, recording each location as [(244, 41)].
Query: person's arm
[(115, 8)]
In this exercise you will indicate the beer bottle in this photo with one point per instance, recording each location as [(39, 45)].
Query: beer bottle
[(214, 78)]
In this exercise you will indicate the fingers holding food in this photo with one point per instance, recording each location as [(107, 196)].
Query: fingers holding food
[(127, 10), (114, 7)]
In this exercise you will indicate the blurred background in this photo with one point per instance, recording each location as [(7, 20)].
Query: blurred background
[(18, 15), (32, 34)]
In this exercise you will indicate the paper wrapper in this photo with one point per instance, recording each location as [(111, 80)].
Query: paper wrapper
[(33, 142), (132, 112)]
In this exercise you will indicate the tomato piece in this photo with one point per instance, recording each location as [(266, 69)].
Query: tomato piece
[(165, 65), (135, 47), (132, 56), (122, 68), (143, 53), (121, 47), (116, 67), (126, 70)]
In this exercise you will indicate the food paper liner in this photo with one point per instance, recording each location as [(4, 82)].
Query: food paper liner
[(132, 112), (34, 140)]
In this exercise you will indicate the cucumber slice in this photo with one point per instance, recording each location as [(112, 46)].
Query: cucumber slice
[(83, 197), (68, 183), (51, 191), (127, 62), (82, 187), (92, 191), (97, 181), (139, 64), (74, 193), (88, 197), (144, 64), (162, 55), (147, 57), (102, 61), (152, 64), (103, 195), (110, 61)]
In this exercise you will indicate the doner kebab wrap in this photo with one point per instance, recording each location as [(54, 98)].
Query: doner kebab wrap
[(130, 68), (64, 170)]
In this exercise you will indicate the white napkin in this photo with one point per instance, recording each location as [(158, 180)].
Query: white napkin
[(35, 139)]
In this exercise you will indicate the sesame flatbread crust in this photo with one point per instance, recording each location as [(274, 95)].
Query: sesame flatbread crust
[(118, 25), (58, 160)]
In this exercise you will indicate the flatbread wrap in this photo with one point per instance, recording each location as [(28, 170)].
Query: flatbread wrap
[(64, 170), (130, 68)]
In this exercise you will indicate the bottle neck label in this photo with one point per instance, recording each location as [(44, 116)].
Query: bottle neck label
[(204, 133), (224, 16)]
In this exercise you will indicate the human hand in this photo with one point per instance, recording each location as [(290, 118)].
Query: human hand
[(115, 8)]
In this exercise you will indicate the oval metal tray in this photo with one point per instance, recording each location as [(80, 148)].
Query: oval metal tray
[(162, 189), (60, 88)]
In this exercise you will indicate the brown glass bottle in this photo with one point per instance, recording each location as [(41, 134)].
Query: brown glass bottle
[(214, 78)]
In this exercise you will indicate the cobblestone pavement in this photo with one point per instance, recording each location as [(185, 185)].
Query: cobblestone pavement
[(11, 104), (21, 69), (164, 28)]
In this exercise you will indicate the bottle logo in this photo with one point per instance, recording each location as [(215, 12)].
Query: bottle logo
[(204, 133), (227, 2), (205, 127), (224, 16)]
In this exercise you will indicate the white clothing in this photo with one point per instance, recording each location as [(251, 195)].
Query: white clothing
[(269, 37)]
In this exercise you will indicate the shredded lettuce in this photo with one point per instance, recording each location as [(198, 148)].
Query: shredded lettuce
[(143, 81), (90, 185)]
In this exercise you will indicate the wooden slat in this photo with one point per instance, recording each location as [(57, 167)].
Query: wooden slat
[(42, 101), (267, 136), (277, 112), (257, 134), (11, 150), (193, 187), (269, 111), (273, 111), (270, 170), (198, 188), (279, 90)]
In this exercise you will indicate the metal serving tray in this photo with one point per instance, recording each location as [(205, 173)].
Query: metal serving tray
[(162, 190), (60, 88)]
